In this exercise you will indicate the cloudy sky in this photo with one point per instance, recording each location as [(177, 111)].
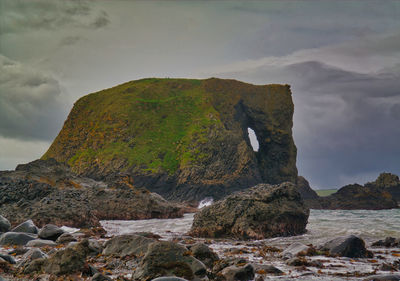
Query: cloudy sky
[(342, 59)]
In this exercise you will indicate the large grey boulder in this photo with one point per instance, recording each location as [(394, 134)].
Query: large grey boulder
[(169, 259), (347, 246), (27, 227), (16, 238), (260, 212), (238, 273), (41, 243), (4, 224), (204, 254), (31, 255), (125, 245), (50, 232), (294, 250)]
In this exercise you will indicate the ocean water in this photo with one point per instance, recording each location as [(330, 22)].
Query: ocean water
[(323, 226)]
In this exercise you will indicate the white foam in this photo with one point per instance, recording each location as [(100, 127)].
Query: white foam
[(205, 202)]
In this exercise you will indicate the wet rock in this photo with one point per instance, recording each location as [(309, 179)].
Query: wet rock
[(204, 254), (95, 247), (65, 238), (31, 255), (260, 212), (27, 227), (41, 243), (387, 267), (267, 269), (389, 277), (4, 224), (241, 273), (8, 258), (169, 278), (125, 245), (347, 246), (294, 250), (50, 232), (389, 242), (16, 238), (69, 260), (169, 259), (100, 277)]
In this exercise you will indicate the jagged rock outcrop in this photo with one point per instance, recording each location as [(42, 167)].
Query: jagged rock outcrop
[(48, 192), (355, 197), (259, 212), (185, 139), (388, 182)]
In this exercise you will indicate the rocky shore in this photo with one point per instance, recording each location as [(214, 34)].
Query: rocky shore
[(48, 192), (52, 253)]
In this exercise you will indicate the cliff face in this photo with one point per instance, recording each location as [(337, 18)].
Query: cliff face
[(185, 139)]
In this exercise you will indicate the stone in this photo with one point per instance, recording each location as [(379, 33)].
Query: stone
[(27, 227), (238, 273), (267, 269), (8, 258), (126, 245), (50, 232), (347, 246), (169, 278), (100, 277), (65, 238), (41, 243), (389, 242), (5, 225), (260, 212), (69, 260), (164, 258), (294, 250), (95, 247), (16, 238), (204, 254), (31, 255)]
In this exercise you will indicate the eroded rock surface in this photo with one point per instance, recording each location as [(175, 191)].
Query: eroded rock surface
[(185, 139), (49, 193), (260, 212)]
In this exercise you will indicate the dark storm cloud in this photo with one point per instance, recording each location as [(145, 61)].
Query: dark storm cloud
[(346, 123), (31, 105), (25, 15)]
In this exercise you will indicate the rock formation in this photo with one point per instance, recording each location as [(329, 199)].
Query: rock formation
[(184, 139), (388, 182), (260, 212), (48, 192)]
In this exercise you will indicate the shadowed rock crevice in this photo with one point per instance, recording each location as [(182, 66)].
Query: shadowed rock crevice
[(184, 139)]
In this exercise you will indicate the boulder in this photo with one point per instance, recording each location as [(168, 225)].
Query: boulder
[(27, 227), (238, 273), (169, 259), (100, 277), (50, 232), (68, 260), (260, 212), (41, 243), (8, 258), (295, 249), (169, 278), (126, 245), (65, 238), (4, 224), (204, 254), (16, 238), (389, 242), (31, 255), (267, 269), (347, 246)]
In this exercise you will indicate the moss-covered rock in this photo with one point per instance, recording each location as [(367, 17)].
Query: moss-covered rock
[(183, 138)]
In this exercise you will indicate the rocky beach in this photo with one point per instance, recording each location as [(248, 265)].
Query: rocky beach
[(132, 189)]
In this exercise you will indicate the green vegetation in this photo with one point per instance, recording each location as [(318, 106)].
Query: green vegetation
[(171, 117), (325, 192)]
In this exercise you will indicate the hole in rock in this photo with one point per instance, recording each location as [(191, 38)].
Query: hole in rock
[(253, 139)]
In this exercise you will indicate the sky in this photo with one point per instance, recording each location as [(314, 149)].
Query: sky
[(341, 58)]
